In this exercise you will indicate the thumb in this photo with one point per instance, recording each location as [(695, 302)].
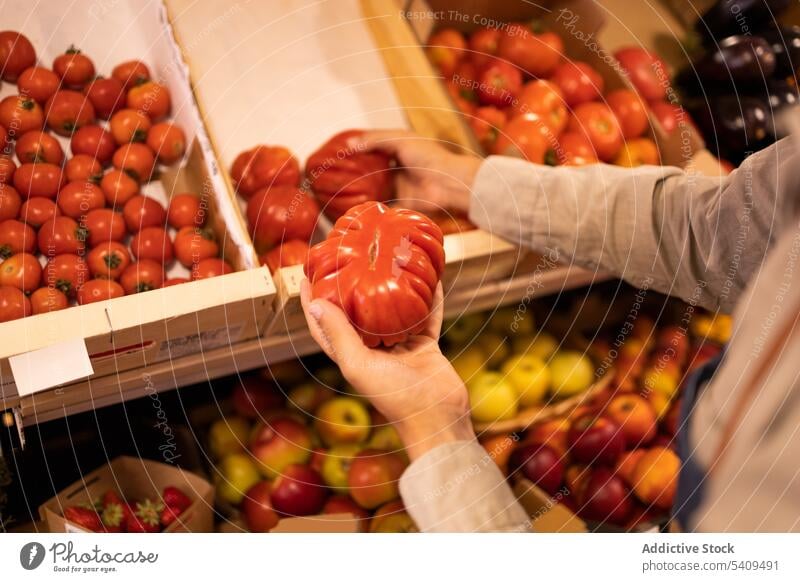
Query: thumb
[(331, 329)]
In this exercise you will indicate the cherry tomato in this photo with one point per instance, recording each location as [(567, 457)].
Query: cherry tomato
[(525, 136), (487, 124), (129, 125), (13, 304), (153, 243), (106, 95), (67, 111), (10, 202), (33, 180), (600, 125), (484, 43), (149, 98), (108, 260), (131, 73), (61, 235), (47, 299), (36, 211), (637, 152), (208, 268), (20, 114), (142, 276), (544, 99), (83, 168), (66, 273), (499, 84), (38, 83), (630, 111), (7, 169), (168, 141), (93, 140), (579, 82), (185, 210), (74, 68), (446, 49), (76, 199), (143, 211), (194, 244), (118, 188), (574, 149), (292, 252), (176, 281), (22, 271), (16, 54), (136, 160), (38, 146), (16, 237), (536, 54), (104, 225), (99, 290)]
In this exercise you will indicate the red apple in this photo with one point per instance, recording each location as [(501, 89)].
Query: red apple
[(552, 433), (257, 508), (343, 504), (299, 490), (605, 498), (596, 439), (635, 416), (392, 518), (373, 477), (253, 396), (541, 465), (279, 443)]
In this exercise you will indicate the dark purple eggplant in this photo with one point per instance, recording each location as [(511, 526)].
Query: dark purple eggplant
[(729, 17), (740, 59), (783, 96), (731, 126), (785, 44)]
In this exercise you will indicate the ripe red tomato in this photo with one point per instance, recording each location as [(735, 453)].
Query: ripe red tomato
[(544, 99), (36, 211), (106, 95), (638, 152), (208, 268), (19, 115), (5, 141), (193, 244), (168, 141), (185, 210), (630, 111), (47, 299), (142, 211), (136, 160), (83, 168), (66, 273), (76, 199), (525, 136), (176, 281), (13, 304), (487, 124), (499, 84), (536, 54), (74, 68), (600, 125), (103, 225), (464, 98), (142, 276), (386, 288), (7, 169), (574, 149), (281, 213), (648, 73), (96, 290), (61, 235), (67, 111), (264, 166), (38, 83), (149, 98), (153, 243), (131, 73), (129, 125), (579, 82), (16, 54), (446, 48), (16, 237), (484, 44), (93, 140), (10, 202), (342, 177), (108, 260), (37, 146), (118, 188), (292, 252), (22, 271), (42, 179), (670, 115)]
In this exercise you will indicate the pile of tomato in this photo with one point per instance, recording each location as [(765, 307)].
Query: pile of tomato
[(524, 97), (79, 227)]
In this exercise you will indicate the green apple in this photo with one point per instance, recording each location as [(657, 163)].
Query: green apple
[(572, 373), (235, 474), (308, 396), (541, 345), (512, 320), (469, 362), (343, 419), (227, 436), (529, 376), (491, 397), (385, 438), (496, 347), (463, 330), (336, 466)]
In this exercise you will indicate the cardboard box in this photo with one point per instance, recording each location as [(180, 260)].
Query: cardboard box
[(331, 523), (135, 479)]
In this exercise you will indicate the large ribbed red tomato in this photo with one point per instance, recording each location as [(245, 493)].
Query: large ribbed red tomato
[(342, 177), (381, 265), (264, 167)]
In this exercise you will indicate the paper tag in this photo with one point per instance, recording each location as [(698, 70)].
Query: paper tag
[(52, 366)]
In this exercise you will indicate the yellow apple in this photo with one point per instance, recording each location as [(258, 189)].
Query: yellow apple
[(662, 380), (336, 465), (235, 475), (343, 420), (385, 438), (572, 373), (491, 397), (470, 362), (308, 396), (496, 347), (529, 376), (227, 436), (541, 345)]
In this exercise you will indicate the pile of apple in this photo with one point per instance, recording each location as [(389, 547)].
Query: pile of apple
[(508, 365), (313, 450)]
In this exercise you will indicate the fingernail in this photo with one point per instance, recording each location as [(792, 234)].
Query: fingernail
[(315, 309)]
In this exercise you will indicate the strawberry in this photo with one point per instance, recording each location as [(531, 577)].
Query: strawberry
[(176, 499), (110, 497), (84, 517), (145, 518), (168, 515)]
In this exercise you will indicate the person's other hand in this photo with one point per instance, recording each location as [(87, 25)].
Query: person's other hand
[(412, 384), (430, 176)]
